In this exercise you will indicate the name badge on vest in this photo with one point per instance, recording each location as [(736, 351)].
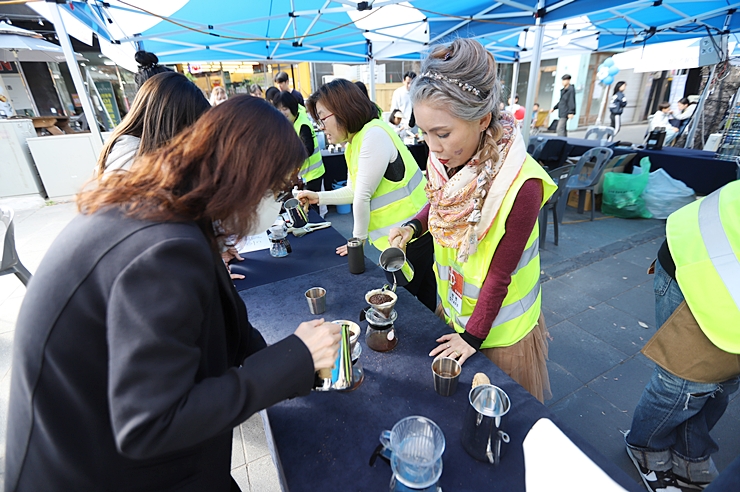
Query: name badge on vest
[(455, 292)]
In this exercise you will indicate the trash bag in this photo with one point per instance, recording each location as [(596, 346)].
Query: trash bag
[(622, 193), (664, 194)]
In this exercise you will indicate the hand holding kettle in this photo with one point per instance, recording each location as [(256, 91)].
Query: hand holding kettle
[(399, 237)]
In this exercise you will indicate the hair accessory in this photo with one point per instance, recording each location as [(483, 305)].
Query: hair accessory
[(448, 55), (463, 85)]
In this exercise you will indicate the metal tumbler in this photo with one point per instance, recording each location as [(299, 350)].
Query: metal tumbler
[(316, 297), (355, 256), (446, 372)]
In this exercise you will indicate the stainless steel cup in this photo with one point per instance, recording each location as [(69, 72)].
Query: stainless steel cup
[(446, 375), (316, 297)]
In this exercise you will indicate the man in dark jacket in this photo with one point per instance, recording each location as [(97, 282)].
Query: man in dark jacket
[(566, 106)]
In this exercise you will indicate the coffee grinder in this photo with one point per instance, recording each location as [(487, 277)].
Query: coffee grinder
[(381, 333)]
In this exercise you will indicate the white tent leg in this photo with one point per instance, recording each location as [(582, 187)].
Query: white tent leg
[(602, 106), (74, 70), (514, 82), (371, 89), (534, 71)]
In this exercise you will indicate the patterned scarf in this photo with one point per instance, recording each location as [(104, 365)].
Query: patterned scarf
[(463, 207)]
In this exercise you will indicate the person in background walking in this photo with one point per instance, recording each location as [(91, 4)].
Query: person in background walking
[(696, 350), (281, 81), (401, 99), (566, 106), (617, 105)]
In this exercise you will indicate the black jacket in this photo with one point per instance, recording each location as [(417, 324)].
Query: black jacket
[(618, 103), (567, 103), (129, 368)]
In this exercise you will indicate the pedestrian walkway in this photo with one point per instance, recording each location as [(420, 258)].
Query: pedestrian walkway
[(598, 304)]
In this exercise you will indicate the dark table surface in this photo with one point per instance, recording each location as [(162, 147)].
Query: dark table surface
[(324, 441), (313, 252), (698, 169)]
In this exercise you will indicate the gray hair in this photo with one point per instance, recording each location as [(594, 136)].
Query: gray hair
[(466, 61)]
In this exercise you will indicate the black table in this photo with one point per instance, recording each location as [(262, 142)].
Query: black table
[(324, 441), (313, 252), (698, 169)]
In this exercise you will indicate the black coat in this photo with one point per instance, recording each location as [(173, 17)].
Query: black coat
[(567, 103), (618, 103), (134, 360)]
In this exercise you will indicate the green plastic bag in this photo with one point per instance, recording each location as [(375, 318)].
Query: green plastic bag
[(622, 193)]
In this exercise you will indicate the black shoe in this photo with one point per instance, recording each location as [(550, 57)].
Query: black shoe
[(687, 484), (656, 481)]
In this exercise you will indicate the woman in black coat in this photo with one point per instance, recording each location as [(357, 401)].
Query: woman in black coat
[(617, 105), (134, 358)]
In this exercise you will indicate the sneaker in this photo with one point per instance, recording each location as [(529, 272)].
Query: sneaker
[(687, 484), (655, 481)]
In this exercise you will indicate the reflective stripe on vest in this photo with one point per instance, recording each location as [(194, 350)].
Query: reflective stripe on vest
[(471, 290), (398, 194), (313, 167), (507, 313), (392, 203), (718, 245)]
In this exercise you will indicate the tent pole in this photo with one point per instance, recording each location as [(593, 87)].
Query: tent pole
[(534, 71), (74, 70), (514, 82), (371, 89), (603, 104), (698, 111)]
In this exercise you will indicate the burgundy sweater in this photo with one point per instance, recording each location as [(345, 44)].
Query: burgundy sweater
[(519, 225)]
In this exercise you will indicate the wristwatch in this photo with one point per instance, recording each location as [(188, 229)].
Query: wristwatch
[(414, 224)]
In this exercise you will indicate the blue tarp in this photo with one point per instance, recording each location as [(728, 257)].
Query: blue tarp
[(323, 30)]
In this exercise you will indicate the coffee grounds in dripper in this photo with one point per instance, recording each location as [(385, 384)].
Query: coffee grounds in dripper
[(382, 301)]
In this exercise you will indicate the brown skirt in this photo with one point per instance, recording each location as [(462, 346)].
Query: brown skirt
[(525, 361)]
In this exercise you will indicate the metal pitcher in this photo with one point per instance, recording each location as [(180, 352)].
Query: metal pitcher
[(397, 269), (297, 215), (482, 436), (341, 376)]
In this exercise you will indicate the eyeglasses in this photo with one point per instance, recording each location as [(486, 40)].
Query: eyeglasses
[(322, 121)]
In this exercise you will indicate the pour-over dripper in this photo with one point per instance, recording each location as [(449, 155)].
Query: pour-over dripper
[(382, 308)]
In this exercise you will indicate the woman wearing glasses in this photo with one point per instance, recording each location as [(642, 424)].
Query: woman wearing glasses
[(384, 184)]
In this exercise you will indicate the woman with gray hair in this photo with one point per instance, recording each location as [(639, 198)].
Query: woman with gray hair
[(485, 194)]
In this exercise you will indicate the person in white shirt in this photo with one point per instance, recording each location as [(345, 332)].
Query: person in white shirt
[(661, 118), (401, 99)]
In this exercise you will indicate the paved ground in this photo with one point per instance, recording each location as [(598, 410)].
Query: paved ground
[(598, 304)]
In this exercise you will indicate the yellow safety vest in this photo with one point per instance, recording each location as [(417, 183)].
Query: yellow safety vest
[(313, 167), (520, 309), (704, 241), (393, 203)]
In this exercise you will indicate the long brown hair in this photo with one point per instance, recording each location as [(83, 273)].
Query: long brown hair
[(218, 169), (166, 104)]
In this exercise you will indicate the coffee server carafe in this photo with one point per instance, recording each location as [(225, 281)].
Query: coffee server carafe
[(341, 377)]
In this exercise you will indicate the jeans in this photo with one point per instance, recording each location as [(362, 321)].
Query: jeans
[(562, 129), (671, 424)]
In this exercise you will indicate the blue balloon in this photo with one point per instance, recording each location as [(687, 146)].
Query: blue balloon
[(609, 62), (613, 70), (608, 80)]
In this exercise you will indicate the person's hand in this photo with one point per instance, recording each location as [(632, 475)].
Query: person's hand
[(452, 345), (342, 250), (227, 256), (307, 197), (675, 128), (570, 116), (231, 254), (399, 237), (552, 110), (322, 340)]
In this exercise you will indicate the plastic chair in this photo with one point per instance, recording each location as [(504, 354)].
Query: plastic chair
[(600, 133), (560, 176), (10, 262), (586, 180)]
